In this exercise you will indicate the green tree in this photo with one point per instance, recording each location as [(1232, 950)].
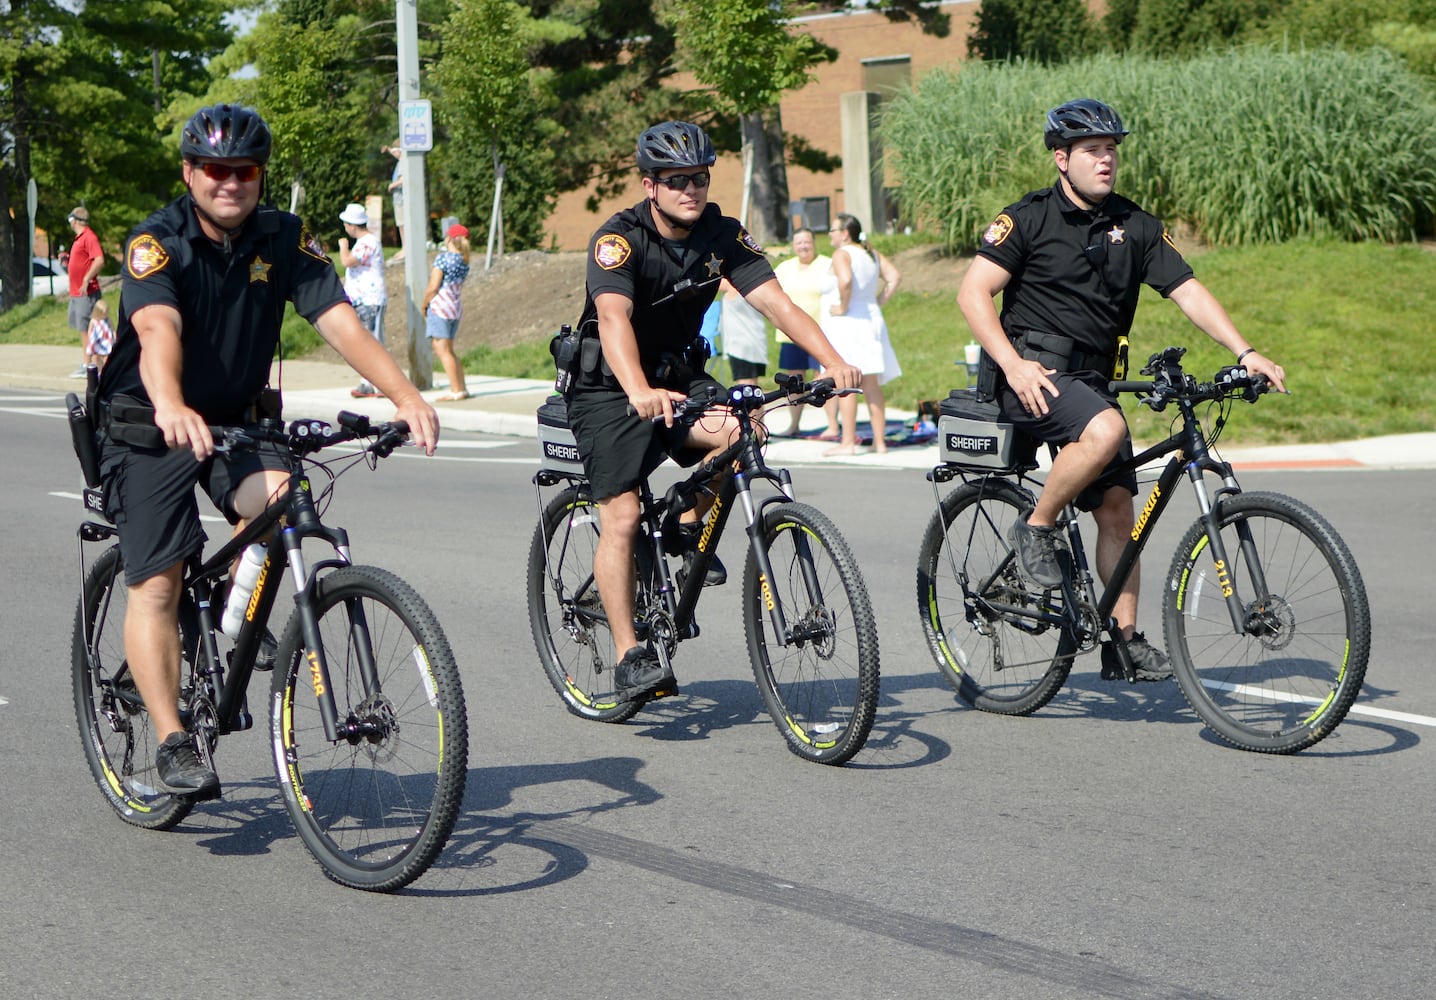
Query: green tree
[(498, 112), (1187, 27), (1043, 31), (745, 51), (79, 85)]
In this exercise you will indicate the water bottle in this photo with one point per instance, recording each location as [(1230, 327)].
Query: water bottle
[(241, 587)]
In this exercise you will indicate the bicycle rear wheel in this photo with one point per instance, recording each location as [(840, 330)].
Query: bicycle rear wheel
[(1289, 678), (376, 806), (979, 615), (570, 628), (114, 725), (821, 689)]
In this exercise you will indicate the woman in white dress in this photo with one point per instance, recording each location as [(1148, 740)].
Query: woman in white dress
[(852, 318)]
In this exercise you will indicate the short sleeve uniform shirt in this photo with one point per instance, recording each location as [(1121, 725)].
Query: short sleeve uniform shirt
[(1079, 272)]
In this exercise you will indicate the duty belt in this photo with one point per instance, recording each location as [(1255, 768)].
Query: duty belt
[(1061, 353)]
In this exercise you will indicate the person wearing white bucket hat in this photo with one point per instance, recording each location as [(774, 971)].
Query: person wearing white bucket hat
[(363, 277)]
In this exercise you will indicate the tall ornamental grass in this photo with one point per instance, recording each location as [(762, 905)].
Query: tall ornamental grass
[(1252, 145)]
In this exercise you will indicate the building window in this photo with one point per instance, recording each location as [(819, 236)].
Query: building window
[(887, 75)]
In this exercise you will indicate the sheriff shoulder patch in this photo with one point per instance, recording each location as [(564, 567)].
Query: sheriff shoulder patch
[(310, 245), (146, 256), (610, 250), (747, 241), (998, 232)]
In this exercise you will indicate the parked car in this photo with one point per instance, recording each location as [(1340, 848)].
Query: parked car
[(47, 278)]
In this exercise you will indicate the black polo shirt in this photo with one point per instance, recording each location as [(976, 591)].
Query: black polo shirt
[(231, 304), (627, 256), (1079, 272)]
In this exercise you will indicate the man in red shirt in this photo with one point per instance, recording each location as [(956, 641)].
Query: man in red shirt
[(84, 263)]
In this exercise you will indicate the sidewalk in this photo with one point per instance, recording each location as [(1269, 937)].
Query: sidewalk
[(507, 406)]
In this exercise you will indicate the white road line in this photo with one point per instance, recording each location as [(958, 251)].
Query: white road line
[(1379, 713), (59, 414)]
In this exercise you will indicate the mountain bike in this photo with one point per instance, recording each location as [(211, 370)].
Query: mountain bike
[(809, 624), (1264, 612), (368, 726)]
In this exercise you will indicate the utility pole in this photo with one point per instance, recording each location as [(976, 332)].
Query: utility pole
[(416, 200)]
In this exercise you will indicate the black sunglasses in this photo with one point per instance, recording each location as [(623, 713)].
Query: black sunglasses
[(223, 171), (680, 182)]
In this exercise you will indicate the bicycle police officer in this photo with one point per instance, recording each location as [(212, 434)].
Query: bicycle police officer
[(653, 270), (1070, 261), (204, 286)]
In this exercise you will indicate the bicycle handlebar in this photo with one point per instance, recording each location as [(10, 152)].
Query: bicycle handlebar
[(308, 436), (1171, 383), (748, 398)]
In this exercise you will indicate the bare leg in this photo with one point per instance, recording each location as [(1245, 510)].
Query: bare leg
[(613, 568), (444, 350), (877, 411), (152, 646), (1114, 527), (1078, 464)]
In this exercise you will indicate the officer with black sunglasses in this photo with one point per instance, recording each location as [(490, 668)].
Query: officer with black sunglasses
[(653, 271), (1070, 262)]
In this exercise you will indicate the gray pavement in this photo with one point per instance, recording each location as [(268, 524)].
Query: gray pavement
[(507, 406)]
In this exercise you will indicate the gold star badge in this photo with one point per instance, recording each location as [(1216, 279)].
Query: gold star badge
[(259, 271), (714, 265), (1117, 234)]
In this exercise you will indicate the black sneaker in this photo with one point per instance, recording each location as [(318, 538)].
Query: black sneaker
[(717, 574), (640, 675), (180, 771), (1037, 552), (268, 652), (1151, 662)]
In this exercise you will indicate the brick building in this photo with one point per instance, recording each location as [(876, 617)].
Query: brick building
[(875, 57)]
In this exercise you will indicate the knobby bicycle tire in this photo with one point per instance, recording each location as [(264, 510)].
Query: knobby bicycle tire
[(376, 807), (821, 691), (570, 628), (998, 660), (115, 727), (1288, 680)]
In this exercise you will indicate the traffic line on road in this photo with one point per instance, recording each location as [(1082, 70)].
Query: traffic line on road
[(1378, 713)]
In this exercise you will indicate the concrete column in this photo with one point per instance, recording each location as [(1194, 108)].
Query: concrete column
[(862, 160)]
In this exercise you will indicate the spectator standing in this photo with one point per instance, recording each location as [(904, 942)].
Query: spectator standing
[(83, 266), (853, 321), (745, 336), (444, 307), (396, 191), (363, 278), (100, 338), (801, 276)]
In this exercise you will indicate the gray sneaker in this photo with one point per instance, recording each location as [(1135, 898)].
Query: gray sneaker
[(180, 770), (640, 675), (1037, 552), (1151, 662)]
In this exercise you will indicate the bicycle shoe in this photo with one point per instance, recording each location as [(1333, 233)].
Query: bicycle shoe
[(717, 574), (640, 675), (180, 771), (1151, 662), (1037, 552)]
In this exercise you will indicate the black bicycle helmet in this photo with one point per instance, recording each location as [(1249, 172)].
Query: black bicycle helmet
[(226, 132), (1081, 119), (674, 144)]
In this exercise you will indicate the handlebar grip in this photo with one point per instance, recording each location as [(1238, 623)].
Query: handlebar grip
[(1126, 385)]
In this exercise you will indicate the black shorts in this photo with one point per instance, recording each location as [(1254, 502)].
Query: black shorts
[(747, 369), (618, 449), (1081, 396), (149, 494)]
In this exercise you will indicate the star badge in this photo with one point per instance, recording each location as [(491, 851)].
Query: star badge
[(714, 265), (259, 271), (1116, 234)]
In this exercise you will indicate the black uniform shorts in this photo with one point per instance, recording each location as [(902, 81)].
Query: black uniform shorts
[(1081, 396), (619, 449), (149, 494)]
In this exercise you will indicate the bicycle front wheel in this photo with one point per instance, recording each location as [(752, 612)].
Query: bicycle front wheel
[(820, 685), (376, 806), (570, 628), (989, 631), (1283, 680), (114, 725)]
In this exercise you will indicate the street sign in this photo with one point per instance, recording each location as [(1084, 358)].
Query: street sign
[(416, 126)]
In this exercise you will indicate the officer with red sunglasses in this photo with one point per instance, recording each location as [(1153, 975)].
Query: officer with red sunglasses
[(205, 281)]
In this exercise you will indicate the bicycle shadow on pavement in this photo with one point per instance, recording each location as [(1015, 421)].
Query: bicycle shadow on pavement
[(491, 854)]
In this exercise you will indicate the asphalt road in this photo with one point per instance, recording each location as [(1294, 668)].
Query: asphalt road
[(1104, 847)]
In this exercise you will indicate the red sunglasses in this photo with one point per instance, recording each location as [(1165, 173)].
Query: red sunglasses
[(223, 171)]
